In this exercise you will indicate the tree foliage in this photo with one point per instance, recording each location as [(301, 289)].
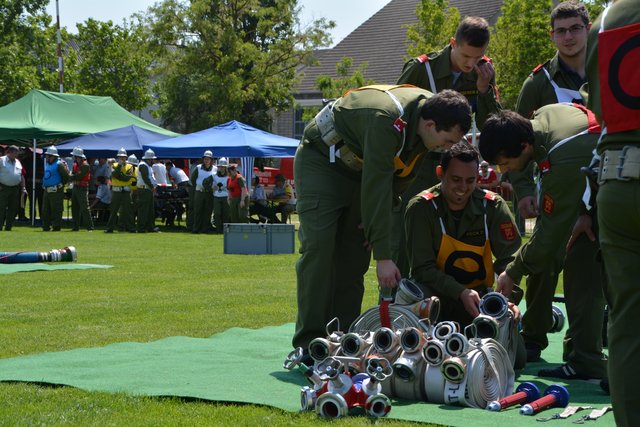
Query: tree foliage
[(437, 23), (230, 59), (110, 60)]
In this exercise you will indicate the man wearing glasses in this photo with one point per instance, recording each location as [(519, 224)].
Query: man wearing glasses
[(560, 78)]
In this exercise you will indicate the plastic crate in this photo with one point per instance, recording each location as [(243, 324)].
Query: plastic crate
[(246, 239), (281, 238)]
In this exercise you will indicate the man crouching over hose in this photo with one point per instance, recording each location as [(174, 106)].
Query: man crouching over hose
[(355, 158), (452, 231)]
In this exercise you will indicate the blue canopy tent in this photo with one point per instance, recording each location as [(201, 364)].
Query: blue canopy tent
[(107, 143), (231, 139)]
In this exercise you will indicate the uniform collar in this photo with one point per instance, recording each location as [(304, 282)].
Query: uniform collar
[(473, 208)]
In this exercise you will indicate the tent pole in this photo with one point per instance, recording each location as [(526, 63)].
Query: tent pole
[(33, 186)]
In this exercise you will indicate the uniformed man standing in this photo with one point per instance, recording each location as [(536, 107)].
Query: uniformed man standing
[(146, 183), (80, 193), (202, 182), (560, 78), (560, 139), (463, 67), (221, 210), (454, 230), (614, 86), (11, 185), (122, 175), (355, 158), (56, 175)]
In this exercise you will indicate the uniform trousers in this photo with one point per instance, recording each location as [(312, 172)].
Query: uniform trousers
[(221, 212), (202, 210), (9, 202), (236, 213), (333, 261), (121, 211), (80, 208), (146, 210), (619, 221), (52, 207)]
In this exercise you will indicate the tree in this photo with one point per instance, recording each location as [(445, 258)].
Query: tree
[(110, 60), (229, 59), (437, 23), (520, 41)]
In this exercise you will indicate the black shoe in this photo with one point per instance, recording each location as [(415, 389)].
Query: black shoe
[(7, 228), (55, 229), (533, 351), (604, 385), (563, 372), (108, 230)]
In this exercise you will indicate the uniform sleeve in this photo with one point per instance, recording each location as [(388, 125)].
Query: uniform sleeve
[(562, 191), (414, 73), (194, 176), (522, 182), (380, 142), (145, 172), (423, 240), (528, 99), (503, 235), (64, 172)]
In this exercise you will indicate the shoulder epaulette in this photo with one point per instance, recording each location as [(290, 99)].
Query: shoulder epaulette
[(422, 58), (538, 68), (428, 195), (490, 195)]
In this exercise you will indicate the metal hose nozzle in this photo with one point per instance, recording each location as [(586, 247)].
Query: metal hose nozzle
[(494, 304), (433, 352)]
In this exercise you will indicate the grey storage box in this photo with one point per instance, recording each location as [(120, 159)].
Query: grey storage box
[(255, 239), (245, 239), (281, 238)]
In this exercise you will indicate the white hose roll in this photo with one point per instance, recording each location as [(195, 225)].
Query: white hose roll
[(434, 384), (494, 304), (486, 326), (434, 352), (408, 292), (412, 340), (443, 329), (407, 381), (454, 369), (401, 318), (489, 375), (386, 341), (355, 345), (456, 345)]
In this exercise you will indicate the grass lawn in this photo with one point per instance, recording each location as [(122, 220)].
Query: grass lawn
[(162, 285)]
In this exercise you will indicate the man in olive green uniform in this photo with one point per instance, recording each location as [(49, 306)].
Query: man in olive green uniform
[(80, 193), (614, 85), (146, 184), (451, 218), (202, 182), (461, 66), (56, 175), (560, 138), (122, 175), (557, 80), (355, 158)]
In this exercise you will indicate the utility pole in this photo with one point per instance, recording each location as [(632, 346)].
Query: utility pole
[(60, 63)]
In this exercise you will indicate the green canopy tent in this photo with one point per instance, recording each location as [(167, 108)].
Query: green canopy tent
[(42, 116)]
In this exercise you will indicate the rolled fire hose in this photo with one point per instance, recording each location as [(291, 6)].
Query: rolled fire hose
[(496, 305), (402, 316), (321, 348), (558, 319), (66, 254), (355, 345), (412, 340), (407, 381), (443, 329), (486, 326), (434, 352), (408, 293), (456, 345)]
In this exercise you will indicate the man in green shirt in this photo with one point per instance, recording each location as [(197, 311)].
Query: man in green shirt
[(355, 158), (463, 67), (560, 139), (614, 85)]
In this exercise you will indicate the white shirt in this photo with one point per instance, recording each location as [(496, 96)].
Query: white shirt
[(160, 173), (10, 171), (104, 194), (178, 175)]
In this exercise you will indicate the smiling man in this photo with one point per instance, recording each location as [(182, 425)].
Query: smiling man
[(356, 157), (454, 230)]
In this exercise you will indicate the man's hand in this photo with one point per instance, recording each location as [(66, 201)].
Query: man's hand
[(584, 224), (515, 310), (528, 207), (470, 300), (485, 73), (505, 284), (388, 274)]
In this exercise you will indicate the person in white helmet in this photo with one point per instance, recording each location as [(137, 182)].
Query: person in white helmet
[(122, 175), (81, 178), (56, 175), (146, 190), (221, 208), (202, 182)]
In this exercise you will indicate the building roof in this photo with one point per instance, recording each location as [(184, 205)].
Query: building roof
[(381, 42)]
